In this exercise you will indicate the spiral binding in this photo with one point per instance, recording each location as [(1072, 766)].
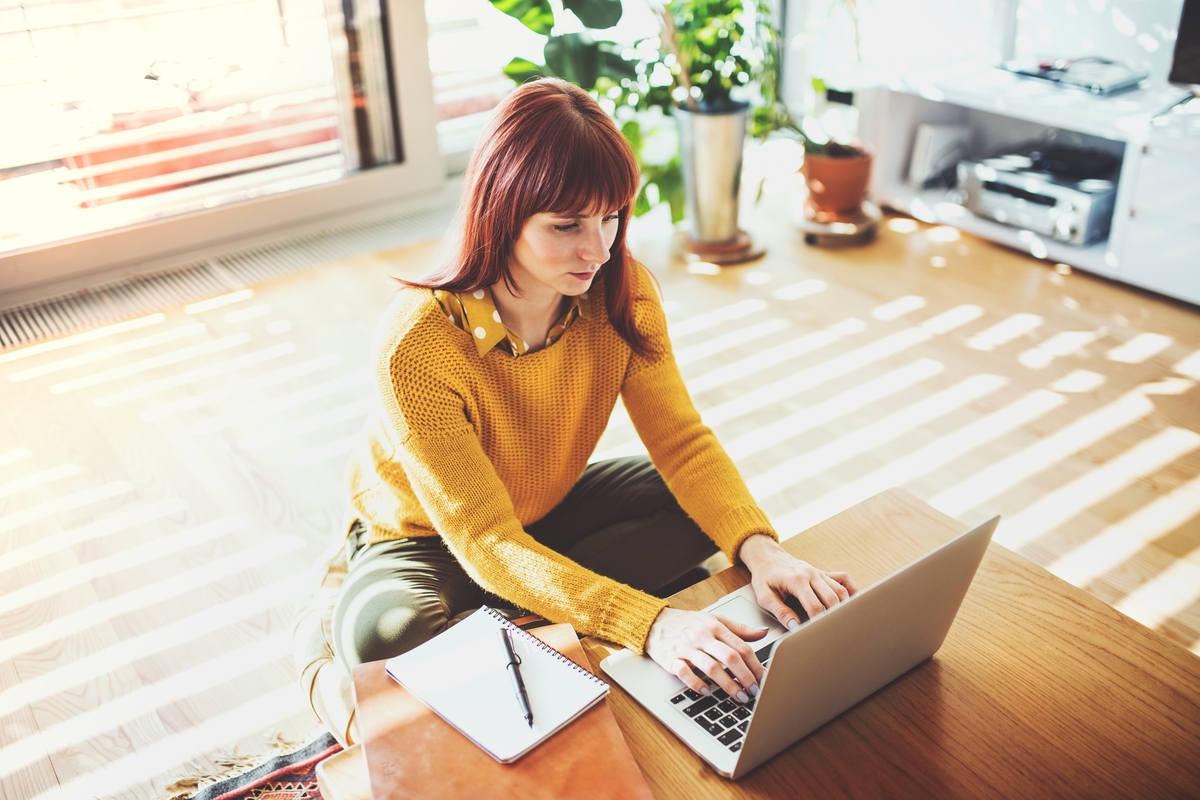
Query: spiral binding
[(496, 615)]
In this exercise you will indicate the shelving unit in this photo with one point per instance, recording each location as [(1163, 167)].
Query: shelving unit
[(934, 206), (1154, 241)]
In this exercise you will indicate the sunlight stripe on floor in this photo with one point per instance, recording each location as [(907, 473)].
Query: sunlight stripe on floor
[(108, 352), (31, 689), (58, 505), (711, 319), (243, 386), (39, 548), (1053, 509), (1079, 381), (39, 478), (218, 302), (1173, 590), (153, 759), (762, 360), (952, 319), (1063, 443), (728, 341), (134, 556), (838, 366), (196, 375), (898, 307), (794, 470), (795, 291), (157, 592), (338, 447), (146, 699), (1189, 366), (13, 456), (802, 381), (1005, 331), (83, 338), (243, 314), (147, 364), (1140, 348), (281, 403), (923, 461), (1060, 345), (325, 419), (848, 327), (770, 434), (1122, 540)]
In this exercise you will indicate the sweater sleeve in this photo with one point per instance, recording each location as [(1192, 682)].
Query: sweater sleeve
[(470, 507), (696, 468)]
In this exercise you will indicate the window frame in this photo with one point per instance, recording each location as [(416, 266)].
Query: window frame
[(49, 269)]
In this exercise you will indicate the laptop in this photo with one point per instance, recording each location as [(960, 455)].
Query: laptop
[(818, 670)]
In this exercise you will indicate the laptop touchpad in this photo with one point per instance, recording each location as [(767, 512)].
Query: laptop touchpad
[(747, 612)]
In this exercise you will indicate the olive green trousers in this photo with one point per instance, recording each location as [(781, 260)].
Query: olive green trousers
[(619, 520)]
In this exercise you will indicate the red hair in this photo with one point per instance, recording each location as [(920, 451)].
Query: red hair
[(549, 147)]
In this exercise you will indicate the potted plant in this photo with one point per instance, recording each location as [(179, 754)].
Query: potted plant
[(714, 68), (836, 173)]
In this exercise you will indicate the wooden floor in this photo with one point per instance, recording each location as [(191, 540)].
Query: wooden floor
[(165, 486)]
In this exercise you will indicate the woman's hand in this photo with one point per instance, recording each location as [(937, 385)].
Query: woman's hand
[(776, 574), (680, 641)]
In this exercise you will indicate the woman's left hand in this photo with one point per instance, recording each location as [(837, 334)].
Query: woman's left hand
[(776, 574)]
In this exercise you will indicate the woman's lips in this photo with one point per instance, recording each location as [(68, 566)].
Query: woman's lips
[(583, 276)]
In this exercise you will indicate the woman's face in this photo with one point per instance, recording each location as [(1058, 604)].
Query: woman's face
[(562, 252)]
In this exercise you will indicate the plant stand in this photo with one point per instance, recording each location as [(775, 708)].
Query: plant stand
[(741, 249), (852, 229)]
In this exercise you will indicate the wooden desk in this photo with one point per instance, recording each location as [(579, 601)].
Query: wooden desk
[(1040, 690)]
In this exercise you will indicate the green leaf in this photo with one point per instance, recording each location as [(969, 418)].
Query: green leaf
[(668, 180), (670, 188), (613, 66), (537, 15), (574, 57), (595, 13), (632, 131), (642, 204), (522, 69)]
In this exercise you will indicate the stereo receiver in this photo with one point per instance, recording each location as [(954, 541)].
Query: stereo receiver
[(1011, 191)]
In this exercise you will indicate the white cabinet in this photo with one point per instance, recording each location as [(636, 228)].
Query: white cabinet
[(1155, 236), (1162, 256), (1167, 186), (1161, 246)]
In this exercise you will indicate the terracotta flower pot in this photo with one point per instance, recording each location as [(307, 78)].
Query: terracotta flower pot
[(836, 186)]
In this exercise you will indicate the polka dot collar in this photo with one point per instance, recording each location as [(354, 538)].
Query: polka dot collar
[(476, 313)]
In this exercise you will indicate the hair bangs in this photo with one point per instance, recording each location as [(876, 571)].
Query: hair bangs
[(587, 172)]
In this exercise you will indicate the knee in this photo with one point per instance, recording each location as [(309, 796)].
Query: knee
[(380, 622)]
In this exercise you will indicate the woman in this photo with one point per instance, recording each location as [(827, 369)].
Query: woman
[(497, 376)]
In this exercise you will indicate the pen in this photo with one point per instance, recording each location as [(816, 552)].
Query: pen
[(514, 671)]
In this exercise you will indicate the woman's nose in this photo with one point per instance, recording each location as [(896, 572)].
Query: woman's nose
[(595, 246)]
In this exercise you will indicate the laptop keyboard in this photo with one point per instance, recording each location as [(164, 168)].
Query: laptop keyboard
[(725, 719)]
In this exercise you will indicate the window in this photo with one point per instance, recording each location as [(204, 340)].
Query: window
[(132, 112)]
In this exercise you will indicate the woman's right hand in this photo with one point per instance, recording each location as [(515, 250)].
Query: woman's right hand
[(680, 641)]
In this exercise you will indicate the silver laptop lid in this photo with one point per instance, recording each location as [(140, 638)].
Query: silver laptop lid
[(842, 656)]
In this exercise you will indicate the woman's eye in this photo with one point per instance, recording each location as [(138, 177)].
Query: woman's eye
[(612, 217), (565, 228)]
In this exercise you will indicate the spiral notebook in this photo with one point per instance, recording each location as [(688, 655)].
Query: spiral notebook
[(461, 675)]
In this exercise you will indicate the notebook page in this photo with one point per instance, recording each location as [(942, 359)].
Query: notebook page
[(461, 674)]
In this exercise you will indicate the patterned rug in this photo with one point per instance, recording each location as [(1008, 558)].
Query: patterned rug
[(291, 776)]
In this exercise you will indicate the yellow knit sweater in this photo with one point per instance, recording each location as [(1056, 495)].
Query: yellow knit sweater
[(475, 447)]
